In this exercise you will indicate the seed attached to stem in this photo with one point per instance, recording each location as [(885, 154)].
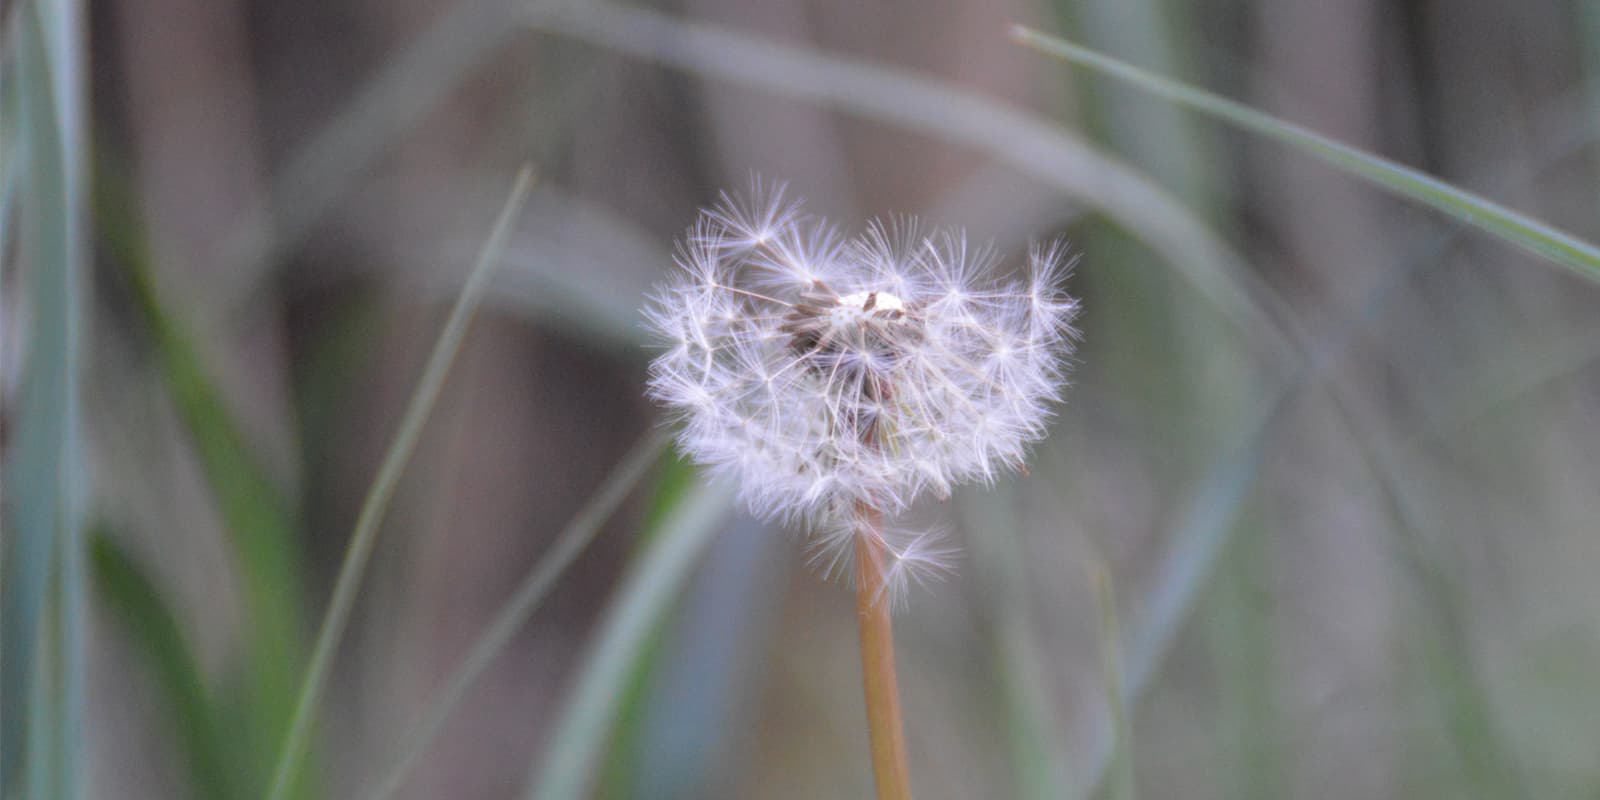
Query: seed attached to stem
[(826, 374)]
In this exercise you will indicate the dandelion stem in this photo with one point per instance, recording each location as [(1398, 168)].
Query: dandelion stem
[(884, 724)]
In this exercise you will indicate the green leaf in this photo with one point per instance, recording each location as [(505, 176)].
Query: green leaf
[(1556, 245), (258, 519), (376, 503), (1000, 567), (41, 555), (639, 609), (132, 598)]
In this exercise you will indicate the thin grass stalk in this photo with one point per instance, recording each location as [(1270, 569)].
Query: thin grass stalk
[(884, 723), (1036, 736), (377, 500), (516, 611), (646, 596), (1122, 785), (1558, 246)]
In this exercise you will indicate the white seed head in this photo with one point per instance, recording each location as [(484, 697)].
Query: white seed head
[(829, 375)]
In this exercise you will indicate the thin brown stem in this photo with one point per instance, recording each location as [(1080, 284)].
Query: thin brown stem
[(884, 725)]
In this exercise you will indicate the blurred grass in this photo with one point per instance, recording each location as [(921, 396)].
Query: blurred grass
[(618, 770), (1469, 719), (41, 556), (261, 526), (364, 537), (12, 154), (1484, 765), (133, 599), (904, 99), (1492, 218), (1216, 559), (526, 599), (693, 515), (1035, 738), (320, 172), (1121, 785), (1237, 616)]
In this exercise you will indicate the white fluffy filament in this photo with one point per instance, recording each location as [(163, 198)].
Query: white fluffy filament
[(827, 374)]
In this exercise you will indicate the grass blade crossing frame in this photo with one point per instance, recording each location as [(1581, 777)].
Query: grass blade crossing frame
[(642, 602), (516, 611), (377, 500), (1563, 248), (42, 585)]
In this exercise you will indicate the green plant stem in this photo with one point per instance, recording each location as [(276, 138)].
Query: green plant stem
[(884, 724), (377, 500)]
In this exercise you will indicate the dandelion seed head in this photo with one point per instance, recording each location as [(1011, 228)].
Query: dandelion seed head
[(827, 374)]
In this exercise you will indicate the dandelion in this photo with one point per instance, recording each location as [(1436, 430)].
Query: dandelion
[(838, 379), (828, 376)]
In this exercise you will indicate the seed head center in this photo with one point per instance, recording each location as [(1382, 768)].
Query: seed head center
[(862, 311), (823, 323), (872, 301)]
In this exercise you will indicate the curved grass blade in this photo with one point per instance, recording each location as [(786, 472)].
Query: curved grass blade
[(41, 555), (522, 604), (1205, 525), (1036, 738), (133, 599), (1558, 246), (258, 519), (1025, 142), (1209, 520), (567, 767), (1489, 765), (376, 503)]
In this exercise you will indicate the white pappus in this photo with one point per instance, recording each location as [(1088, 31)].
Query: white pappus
[(835, 377)]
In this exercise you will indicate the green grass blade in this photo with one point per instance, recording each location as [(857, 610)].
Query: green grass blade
[(1035, 737), (132, 598), (1034, 146), (258, 519), (41, 561), (12, 154), (1239, 633), (1489, 765), (376, 503), (644, 599), (1558, 246), (1122, 784), (1205, 525), (522, 604)]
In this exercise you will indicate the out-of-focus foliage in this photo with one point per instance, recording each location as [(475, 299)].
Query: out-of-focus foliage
[(1334, 450)]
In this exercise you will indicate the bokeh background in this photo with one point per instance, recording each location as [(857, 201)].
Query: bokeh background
[(1320, 517)]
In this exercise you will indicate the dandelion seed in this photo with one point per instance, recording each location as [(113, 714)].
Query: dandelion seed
[(830, 377)]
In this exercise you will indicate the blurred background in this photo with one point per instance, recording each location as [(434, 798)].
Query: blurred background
[(1318, 518)]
